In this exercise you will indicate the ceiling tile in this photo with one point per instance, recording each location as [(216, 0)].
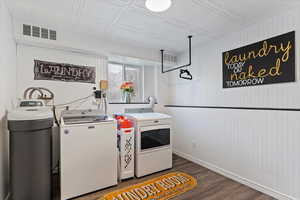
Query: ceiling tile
[(119, 2), (138, 39), (42, 12), (249, 10), (152, 25), (197, 16), (96, 11), (130, 21), (54, 7)]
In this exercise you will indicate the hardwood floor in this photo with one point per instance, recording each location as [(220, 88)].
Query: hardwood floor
[(211, 186)]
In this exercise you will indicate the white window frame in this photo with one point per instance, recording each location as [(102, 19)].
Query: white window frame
[(142, 83)]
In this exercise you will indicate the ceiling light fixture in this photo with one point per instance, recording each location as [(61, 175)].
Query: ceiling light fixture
[(158, 5)]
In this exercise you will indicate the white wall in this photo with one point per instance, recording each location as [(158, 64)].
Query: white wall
[(7, 89), (69, 91), (64, 91), (68, 38), (260, 148)]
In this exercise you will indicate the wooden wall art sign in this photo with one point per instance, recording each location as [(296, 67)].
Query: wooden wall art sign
[(52, 71), (266, 62)]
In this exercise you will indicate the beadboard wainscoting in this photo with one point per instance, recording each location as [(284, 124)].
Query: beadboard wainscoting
[(260, 148)]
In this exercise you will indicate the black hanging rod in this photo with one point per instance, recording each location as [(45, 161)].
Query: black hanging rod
[(176, 68)]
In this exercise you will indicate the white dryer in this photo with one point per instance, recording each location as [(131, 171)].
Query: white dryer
[(153, 139), (88, 152)]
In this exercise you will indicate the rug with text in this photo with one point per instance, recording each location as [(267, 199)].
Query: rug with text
[(160, 188)]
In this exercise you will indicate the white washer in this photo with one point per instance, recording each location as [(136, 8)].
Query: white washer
[(153, 150), (88, 153)]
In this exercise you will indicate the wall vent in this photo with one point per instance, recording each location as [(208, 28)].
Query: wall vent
[(170, 58), (39, 32), (45, 33), (36, 31), (52, 35), (26, 30)]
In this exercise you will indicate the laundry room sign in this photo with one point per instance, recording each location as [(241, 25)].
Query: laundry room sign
[(44, 70), (266, 62)]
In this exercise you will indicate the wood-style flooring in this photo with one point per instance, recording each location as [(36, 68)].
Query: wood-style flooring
[(211, 186)]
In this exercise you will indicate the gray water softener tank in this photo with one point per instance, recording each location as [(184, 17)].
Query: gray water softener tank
[(30, 153)]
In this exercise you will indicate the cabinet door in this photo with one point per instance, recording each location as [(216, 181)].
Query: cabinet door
[(88, 158)]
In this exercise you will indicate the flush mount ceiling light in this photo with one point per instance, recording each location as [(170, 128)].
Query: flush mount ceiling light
[(158, 5)]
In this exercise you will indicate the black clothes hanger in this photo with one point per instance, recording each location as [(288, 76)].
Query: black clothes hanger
[(185, 74)]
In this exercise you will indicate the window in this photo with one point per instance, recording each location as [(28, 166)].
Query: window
[(119, 73)]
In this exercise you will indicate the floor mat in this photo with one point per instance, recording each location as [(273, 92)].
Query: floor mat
[(160, 188)]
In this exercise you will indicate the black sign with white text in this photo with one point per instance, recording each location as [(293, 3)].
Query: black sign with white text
[(44, 70), (266, 62)]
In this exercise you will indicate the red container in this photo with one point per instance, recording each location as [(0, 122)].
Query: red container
[(123, 122)]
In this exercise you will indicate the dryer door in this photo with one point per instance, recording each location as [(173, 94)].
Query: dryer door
[(155, 137)]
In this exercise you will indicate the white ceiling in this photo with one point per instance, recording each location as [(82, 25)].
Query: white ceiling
[(130, 21)]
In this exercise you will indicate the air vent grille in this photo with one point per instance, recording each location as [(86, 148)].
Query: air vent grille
[(26, 30), (52, 35), (36, 31), (170, 58), (45, 33)]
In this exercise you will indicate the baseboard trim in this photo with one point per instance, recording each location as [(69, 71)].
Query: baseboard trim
[(252, 184)]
